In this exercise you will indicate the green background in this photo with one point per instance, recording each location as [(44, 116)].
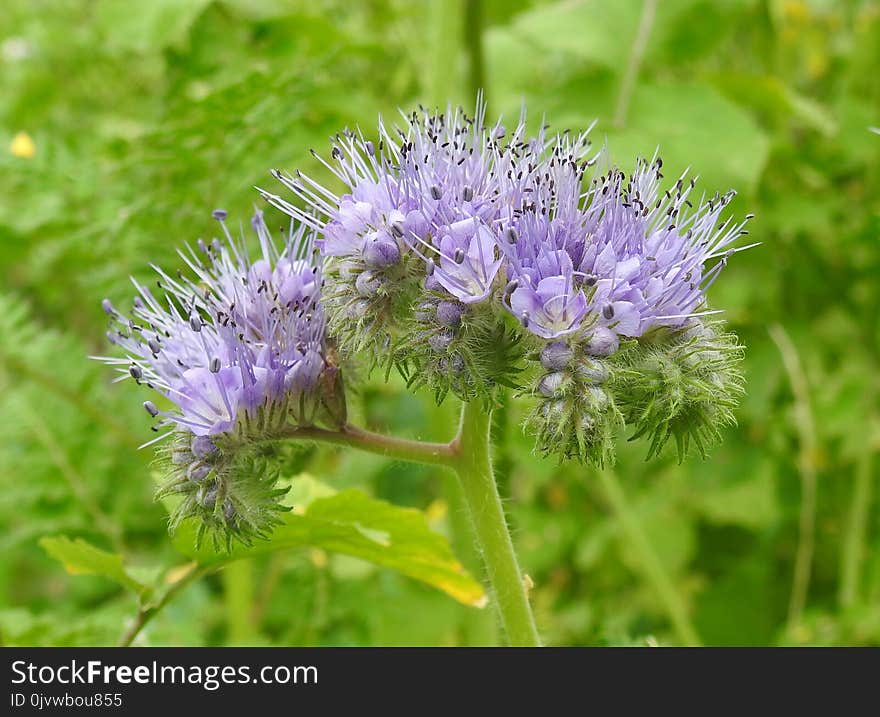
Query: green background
[(144, 116)]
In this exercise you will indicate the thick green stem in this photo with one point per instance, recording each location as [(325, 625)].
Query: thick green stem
[(473, 463), (654, 570)]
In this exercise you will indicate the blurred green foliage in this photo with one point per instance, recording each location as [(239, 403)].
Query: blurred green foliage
[(140, 118)]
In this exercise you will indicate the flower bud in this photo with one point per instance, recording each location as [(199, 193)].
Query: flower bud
[(380, 253), (368, 283), (556, 356), (181, 457), (551, 384), (425, 312), (207, 496), (597, 397), (602, 342), (440, 342), (197, 472), (202, 446), (592, 370), (449, 313), (357, 309), (553, 410)]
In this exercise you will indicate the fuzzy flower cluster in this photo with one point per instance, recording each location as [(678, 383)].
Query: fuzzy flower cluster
[(458, 249), (237, 352), (469, 257), (483, 210)]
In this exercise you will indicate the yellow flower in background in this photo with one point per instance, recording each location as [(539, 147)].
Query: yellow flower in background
[(23, 146)]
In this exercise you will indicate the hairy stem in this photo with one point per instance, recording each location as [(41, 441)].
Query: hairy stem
[(654, 570), (473, 464), (148, 612), (442, 454), (468, 454)]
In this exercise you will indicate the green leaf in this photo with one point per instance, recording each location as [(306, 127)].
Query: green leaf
[(80, 557), (591, 30), (352, 523), (148, 25)]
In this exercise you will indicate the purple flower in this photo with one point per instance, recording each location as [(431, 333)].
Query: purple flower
[(467, 261), (242, 336), (650, 250), (483, 208), (548, 298)]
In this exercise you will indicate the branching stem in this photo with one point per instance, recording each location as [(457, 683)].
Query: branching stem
[(469, 456), (403, 449)]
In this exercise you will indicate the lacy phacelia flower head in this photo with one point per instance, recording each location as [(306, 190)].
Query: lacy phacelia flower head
[(238, 353), (625, 258), (437, 178), (650, 248), (422, 206), (458, 250)]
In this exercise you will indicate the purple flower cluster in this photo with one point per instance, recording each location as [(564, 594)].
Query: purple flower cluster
[(505, 218), (438, 188), (240, 337), (620, 260)]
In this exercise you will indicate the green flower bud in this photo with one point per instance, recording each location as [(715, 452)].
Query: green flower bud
[(685, 388)]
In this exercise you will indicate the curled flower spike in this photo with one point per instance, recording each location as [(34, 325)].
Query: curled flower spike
[(683, 388), (626, 257), (651, 250), (238, 350)]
